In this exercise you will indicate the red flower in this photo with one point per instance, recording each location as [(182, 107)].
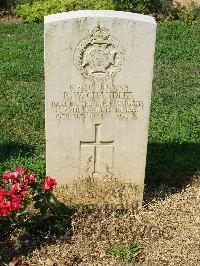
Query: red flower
[(23, 194), (49, 183), (29, 178), (3, 193), (20, 170), (24, 187), (19, 189), (5, 208), (10, 175), (15, 202), (15, 174), (15, 189)]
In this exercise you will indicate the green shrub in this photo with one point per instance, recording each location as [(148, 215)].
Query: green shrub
[(158, 8), (35, 10), (190, 13), (39, 9), (10, 4)]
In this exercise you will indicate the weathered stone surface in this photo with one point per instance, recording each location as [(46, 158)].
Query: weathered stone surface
[(98, 75)]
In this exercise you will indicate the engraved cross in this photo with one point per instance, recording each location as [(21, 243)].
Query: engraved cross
[(97, 143)]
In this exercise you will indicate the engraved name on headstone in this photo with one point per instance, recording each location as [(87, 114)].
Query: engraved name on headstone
[(98, 80)]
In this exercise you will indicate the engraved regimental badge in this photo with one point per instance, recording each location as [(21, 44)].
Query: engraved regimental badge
[(99, 56)]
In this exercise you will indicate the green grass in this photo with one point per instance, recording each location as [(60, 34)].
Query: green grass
[(22, 97), (174, 135)]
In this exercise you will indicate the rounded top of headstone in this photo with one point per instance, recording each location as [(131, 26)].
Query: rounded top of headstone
[(98, 13)]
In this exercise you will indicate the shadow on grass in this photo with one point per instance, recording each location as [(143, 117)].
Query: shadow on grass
[(170, 167), (13, 149)]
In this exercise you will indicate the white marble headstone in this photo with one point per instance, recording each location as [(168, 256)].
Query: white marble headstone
[(98, 81)]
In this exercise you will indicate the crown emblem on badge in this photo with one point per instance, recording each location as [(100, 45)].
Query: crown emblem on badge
[(100, 36)]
